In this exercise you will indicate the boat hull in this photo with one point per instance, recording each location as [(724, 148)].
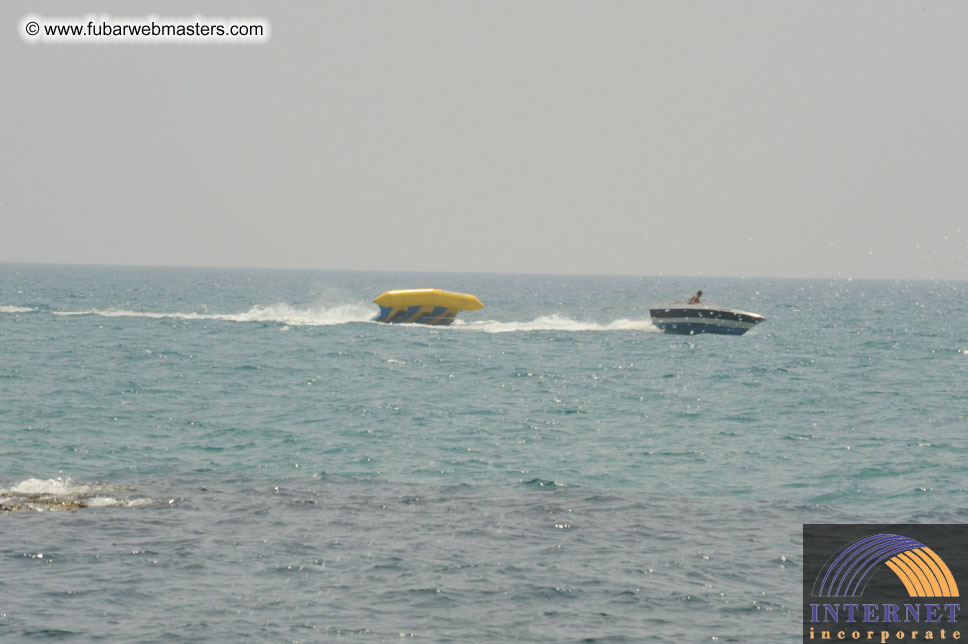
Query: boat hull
[(691, 319), (424, 306)]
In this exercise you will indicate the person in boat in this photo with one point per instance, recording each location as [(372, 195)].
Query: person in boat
[(695, 298)]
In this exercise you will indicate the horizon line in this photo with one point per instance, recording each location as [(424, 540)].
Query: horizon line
[(493, 272)]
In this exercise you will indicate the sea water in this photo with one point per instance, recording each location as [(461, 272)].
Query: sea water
[(208, 455)]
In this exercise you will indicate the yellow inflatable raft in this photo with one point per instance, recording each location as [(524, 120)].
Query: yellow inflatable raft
[(424, 306)]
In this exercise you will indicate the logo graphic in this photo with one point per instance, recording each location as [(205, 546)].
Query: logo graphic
[(918, 567), (883, 583)]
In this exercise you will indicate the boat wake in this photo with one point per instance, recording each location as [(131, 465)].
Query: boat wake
[(273, 314), (66, 495), (555, 323), (287, 315)]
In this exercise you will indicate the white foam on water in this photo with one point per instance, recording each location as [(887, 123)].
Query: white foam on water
[(317, 316), (55, 487), (133, 503), (557, 323), (288, 316), (5, 308), (102, 502), (65, 494), (280, 313)]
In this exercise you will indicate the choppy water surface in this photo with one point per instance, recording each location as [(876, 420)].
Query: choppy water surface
[(242, 456)]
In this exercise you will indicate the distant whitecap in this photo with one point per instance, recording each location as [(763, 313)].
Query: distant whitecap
[(65, 494)]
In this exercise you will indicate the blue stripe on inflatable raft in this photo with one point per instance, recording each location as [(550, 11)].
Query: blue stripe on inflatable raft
[(438, 315)]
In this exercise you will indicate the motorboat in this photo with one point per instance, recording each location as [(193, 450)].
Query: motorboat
[(423, 306), (689, 319)]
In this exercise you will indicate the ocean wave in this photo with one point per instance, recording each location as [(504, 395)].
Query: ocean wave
[(4, 308), (556, 323), (65, 494), (542, 483)]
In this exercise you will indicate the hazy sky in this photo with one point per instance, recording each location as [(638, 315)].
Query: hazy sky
[(768, 138)]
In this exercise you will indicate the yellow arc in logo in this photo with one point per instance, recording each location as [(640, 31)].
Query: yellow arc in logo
[(923, 573)]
